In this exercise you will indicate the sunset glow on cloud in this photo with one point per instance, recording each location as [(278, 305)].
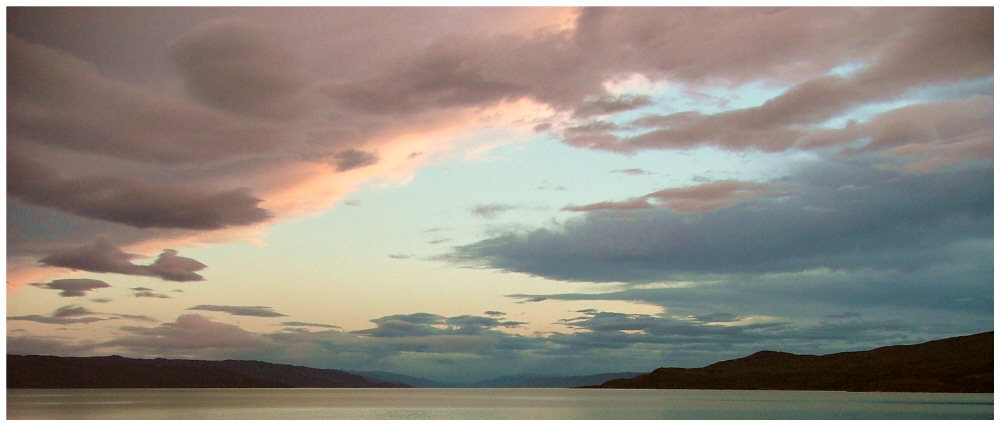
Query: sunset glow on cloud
[(463, 193)]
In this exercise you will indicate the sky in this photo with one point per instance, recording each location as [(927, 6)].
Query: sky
[(465, 193)]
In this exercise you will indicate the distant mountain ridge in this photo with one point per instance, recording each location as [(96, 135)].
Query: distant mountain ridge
[(51, 372), (957, 364)]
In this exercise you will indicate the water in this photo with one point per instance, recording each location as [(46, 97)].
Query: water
[(485, 404)]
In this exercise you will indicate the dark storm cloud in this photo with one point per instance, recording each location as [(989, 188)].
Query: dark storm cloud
[(843, 215), (239, 67), (73, 287), (248, 311), (131, 202), (102, 255)]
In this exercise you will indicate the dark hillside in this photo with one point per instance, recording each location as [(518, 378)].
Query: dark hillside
[(958, 364), (35, 371)]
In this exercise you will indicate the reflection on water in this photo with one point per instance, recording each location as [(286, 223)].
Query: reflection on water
[(474, 404)]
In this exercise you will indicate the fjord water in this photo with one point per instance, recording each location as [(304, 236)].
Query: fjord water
[(486, 404)]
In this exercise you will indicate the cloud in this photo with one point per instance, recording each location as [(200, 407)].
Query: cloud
[(695, 199), (892, 221), (424, 324), (240, 67), (307, 324), (102, 255), (419, 324), (610, 104), (450, 72), (936, 134), (633, 172), (714, 195), (131, 202), (148, 292), (115, 119), (634, 204), (71, 311), (64, 315), (188, 332), (73, 287), (959, 39), (352, 159), (249, 311), (490, 211)]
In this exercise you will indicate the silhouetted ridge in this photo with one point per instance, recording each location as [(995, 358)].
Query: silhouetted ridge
[(36, 371), (957, 364)]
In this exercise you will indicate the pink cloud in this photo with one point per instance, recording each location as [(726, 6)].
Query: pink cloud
[(694, 199)]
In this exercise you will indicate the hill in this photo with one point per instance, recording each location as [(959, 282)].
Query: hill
[(520, 381), (958, 364), (49, 372), (530, 381)]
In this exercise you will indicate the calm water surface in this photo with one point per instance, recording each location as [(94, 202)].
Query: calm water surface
[(487, 404)]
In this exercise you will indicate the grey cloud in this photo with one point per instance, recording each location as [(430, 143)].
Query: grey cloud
[(935, 133), (102, 255), (417, 324), (64, 315), (610, 104), (249, 311), (71, 311), (171, 267), (490, 211), (239, 67), (895, 222), (694, 344), (471, 324), (54, 320), (844, 315), (187, 333), (131, 202), (101, 116), (631, 172), (148, 292), (452, 72), (144, 318), (73, 287), (715, 317), (424, 324), (353, 159), (958, 39), (307, 324), (916, 294)]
